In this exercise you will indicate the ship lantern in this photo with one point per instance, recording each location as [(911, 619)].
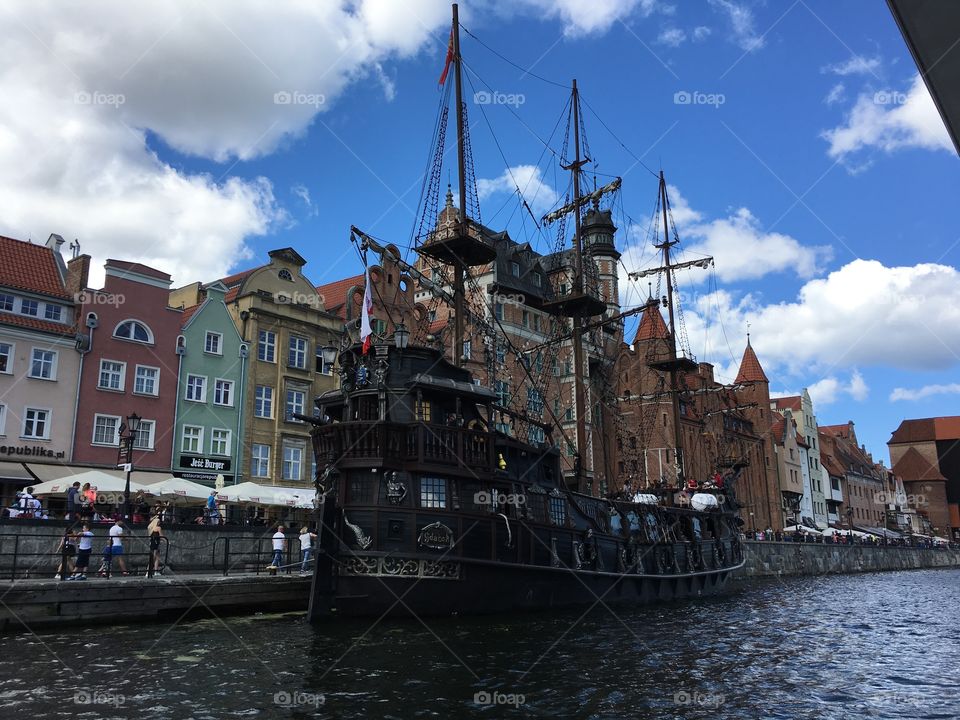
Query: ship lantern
[(328, 354), (401, 336)]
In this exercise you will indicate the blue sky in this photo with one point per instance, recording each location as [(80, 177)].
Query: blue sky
[(809, 160)]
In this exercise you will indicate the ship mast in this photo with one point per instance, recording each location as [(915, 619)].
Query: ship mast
[(458, 268), (579, 392)]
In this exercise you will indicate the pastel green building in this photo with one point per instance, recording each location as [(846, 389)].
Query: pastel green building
[(208, 429)]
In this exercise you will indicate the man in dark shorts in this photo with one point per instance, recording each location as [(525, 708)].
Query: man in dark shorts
[(85, 547)]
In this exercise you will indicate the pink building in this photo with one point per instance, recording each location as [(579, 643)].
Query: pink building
[(129, 363)]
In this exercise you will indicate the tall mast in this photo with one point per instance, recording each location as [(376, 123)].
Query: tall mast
[(458, 268), (579, 393), (674, 387)]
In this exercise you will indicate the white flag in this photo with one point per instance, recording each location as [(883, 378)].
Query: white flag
[(365, 311)]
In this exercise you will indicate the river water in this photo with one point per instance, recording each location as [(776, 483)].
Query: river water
[(856, 646)]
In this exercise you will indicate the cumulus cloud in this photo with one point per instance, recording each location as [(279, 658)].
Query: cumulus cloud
[(890, 120), (539, 194), (830, 389), (863, 314), (584, 18), (856, 65), (741, 24), (701, 32), (924, 392), (673, 37)]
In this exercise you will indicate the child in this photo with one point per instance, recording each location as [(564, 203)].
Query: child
[(106, 561)]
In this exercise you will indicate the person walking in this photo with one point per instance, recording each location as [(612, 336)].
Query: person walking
[(213, 512), (26, 503), (306, 548), (73, 501), (66, 549), (155, 534), (279, 545), (84, 548), (116, 545)]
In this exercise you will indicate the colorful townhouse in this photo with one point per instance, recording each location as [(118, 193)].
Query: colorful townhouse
[(39, 365), (211, 367), (129, 364)]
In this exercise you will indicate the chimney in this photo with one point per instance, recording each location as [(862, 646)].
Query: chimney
[(78, 274), (706, 372)]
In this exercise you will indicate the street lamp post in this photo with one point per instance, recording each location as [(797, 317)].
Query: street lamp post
[(128, 436)]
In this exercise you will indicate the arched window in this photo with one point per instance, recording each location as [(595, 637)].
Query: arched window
[(133, 330), (285, 275)]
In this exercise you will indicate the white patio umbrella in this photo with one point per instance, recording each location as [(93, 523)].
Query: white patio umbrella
[(249, 492), (830, 531), (103, 483), (179, 489)]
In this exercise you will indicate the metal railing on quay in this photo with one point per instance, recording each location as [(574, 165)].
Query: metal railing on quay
[(232, 554)]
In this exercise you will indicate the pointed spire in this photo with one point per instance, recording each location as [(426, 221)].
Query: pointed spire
[(652, 326), (449, 196), (750, 368)]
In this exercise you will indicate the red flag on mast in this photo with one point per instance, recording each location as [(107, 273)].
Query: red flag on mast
[(446, 64)]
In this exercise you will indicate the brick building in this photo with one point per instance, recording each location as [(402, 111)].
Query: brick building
[(864, 491)]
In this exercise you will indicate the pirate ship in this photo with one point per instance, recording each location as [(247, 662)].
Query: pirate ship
[(441, 489)]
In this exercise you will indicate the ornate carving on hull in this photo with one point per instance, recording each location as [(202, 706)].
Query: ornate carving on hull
[(436, 536), (363, 540), (368, 566)]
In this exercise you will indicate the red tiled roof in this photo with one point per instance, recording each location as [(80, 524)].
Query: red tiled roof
[(36, 324), (334, 294), (927, 429), (651, 326), (913, 466), (788, 403), (777, 427), (31, 267), (840, 431), (138, 268), (188, 313), (234, 283), (750, 369)]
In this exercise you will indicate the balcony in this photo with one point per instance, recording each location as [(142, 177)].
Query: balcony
[(409, 447)]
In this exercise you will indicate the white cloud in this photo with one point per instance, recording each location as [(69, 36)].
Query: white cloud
[(701, 32), (856, 65), (741, 22), (303, 193), (583, 18), (674, 37), (539, 195), (835, 95), (863, 314), (924, 392), (830, 389), (890, 120)]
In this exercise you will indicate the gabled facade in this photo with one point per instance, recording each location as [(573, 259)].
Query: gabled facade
[(864, 491), (805, 418), (129, 364), (792, 478), (39, 364), (212, 371)]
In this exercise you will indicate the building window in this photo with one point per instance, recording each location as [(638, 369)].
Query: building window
[(534, 402), (285, 275), (106, 430), (36, 424), (6, 358), (213, 343), (502, 388), (133, 330), (525, 318), (223, 392), (111, 375), (433, 492), (515, 269), (53, 312), (536, 323), (324, 368), (196, 388), (29, 307), (143, 440), (3, 419), (263, 401), (425, 411), (536, 435), (466, 350), (267, 346), (292, 462), (571, 450), (219, 442), (260, 461), (295, 403), (192, 439), (558, 511), (432, 316), (537, 279), (43, 364), (501, 353), (145, 381), (498, 311), (6, 302), (297, 357)]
